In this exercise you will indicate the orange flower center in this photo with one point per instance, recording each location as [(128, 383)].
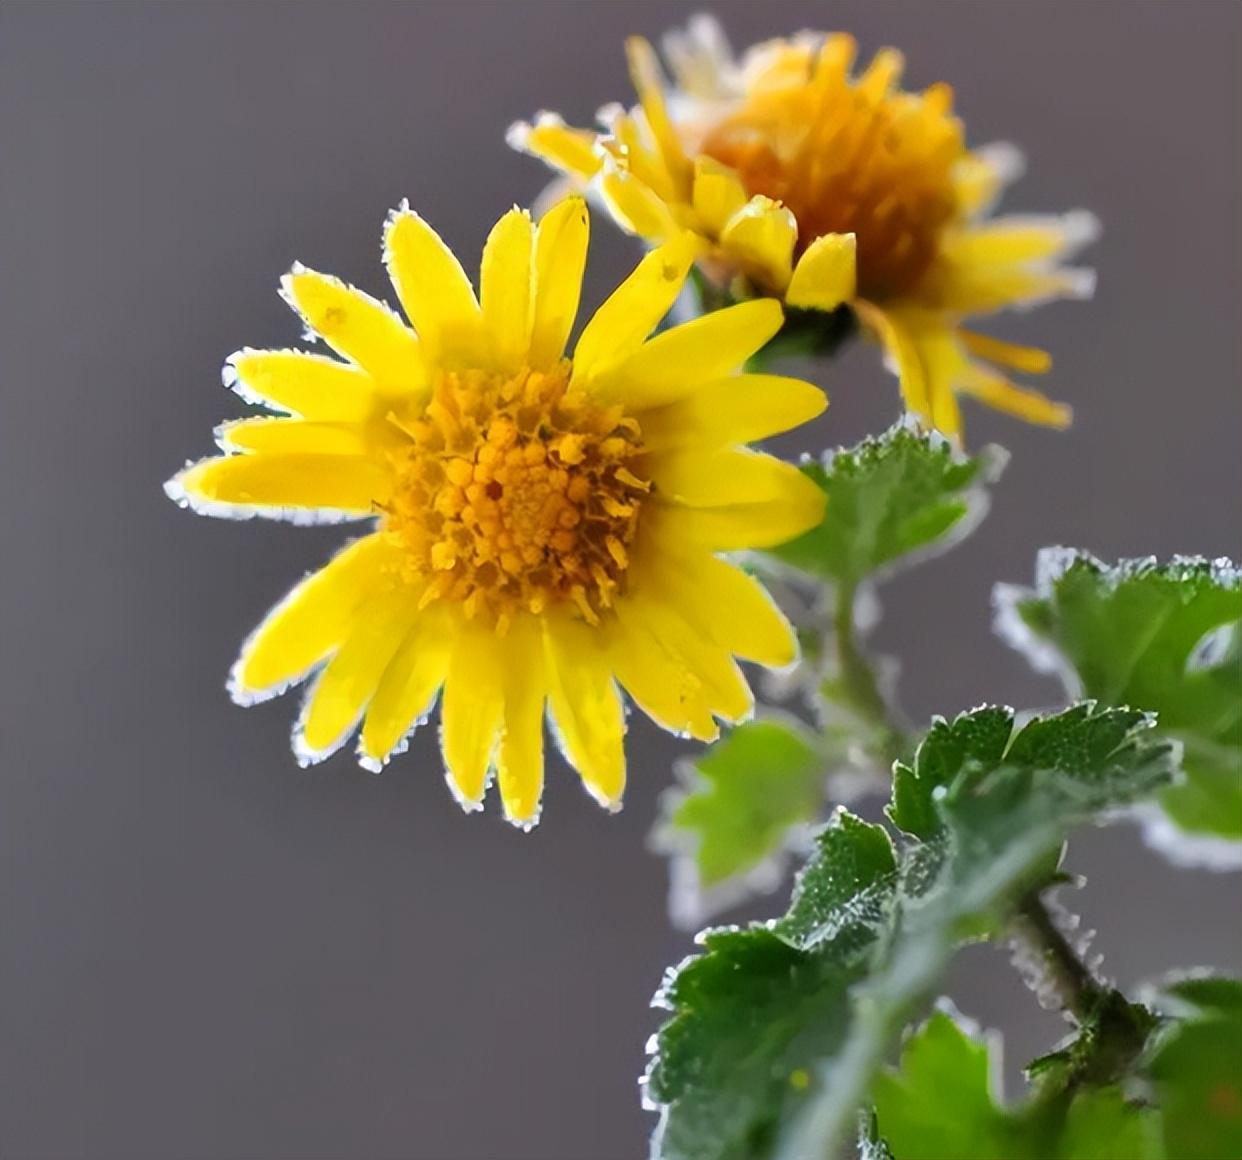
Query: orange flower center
[(517, 493), (851, 156)]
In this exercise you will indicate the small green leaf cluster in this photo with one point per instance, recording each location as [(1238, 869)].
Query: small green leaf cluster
[(782, 1037), (1178, 1095), (778, 1029)]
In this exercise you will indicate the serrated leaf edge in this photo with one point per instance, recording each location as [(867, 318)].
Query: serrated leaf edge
[(992, 460), (1180, 847)]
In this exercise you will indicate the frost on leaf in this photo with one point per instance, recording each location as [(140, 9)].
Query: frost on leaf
[(756, 1010), (776, 1030), (891, 499), (1164, 638)]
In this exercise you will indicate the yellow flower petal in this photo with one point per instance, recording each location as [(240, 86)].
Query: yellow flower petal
[(506, 285), (882, 74), (779, 64), (1029, 359), (835, 60), (408, 687), (981, 175), (660, 683), (725, 605), (338, 697), (472, 713), (944, 364), (720, 478), (635, 205), (549, 138), (826, 274), (560, 258), (519, 759), (718, 194), (311, 621), (586, 707), (1017, 240), (965, 288), (999, 393), (359, 327), (740, 409), (304, 384), (700, 57), (760, 238), (737, 527), (931, 355), (634, 309), (711, 668), (747, 621), (302, 488), (649, 85), (901, 351), (628, 147), (930, 362), (293, 436), (675, 362), (1064, 282), (433, 288)]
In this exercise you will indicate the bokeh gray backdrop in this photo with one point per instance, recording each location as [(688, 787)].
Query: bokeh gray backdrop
[(205, 952)]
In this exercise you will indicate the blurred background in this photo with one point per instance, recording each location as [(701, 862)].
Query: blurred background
[(207, 952)]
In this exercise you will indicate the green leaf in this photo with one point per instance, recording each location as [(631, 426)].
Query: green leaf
[(755, 1011), (1164, 638), (1103, 1124), (891, 496), (943, 1103), (999, 835), (939, 1102), (973, 741), (848, 885), (1095, 750), (728, 826), (1196, 1067), (777, 1030)]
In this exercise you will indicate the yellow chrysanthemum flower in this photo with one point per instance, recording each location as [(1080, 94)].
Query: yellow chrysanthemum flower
[(826, 189), (545, 527)]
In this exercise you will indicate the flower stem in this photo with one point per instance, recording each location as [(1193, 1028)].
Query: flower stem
[(1112, 1032), (1057, 968), (857, 679)]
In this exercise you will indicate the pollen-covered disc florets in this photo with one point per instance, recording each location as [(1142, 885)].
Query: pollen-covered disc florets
[(852, 157), (516, 492)]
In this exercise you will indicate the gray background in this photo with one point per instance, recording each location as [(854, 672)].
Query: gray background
[(208, 953)]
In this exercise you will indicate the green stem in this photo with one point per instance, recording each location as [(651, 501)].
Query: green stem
[(1059, 967), (858, 681), (1112, 1031)]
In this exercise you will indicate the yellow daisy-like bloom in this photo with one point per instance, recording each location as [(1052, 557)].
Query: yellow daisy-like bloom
[(545, 527), (826, 189)]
